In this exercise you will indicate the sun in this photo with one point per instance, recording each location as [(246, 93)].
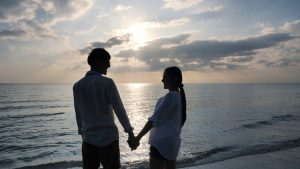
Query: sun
[(139, 34)]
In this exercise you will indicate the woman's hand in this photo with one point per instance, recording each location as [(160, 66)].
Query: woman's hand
[(133, 143)]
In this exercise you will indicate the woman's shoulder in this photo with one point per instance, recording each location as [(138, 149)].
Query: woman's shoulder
[(172, 94)]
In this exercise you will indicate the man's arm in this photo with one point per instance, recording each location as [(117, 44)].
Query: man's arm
[(77, 113), (117, 105)]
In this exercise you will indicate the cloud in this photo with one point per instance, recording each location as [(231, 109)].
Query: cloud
[(167, 24), (120, 8), (161, 24), (283, 62), (266, 28), (293, 27), (180, 4), (36, 17), (117, 40), (14, 10), (8, 34), (212, 9), (200, 54)]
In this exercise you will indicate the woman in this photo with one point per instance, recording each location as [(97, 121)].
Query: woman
[(166, 122)]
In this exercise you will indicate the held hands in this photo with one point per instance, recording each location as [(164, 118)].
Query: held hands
[(133, 142)]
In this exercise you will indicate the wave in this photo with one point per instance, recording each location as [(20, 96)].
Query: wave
[(239, 151), (56, 165), (30, 115), (10, 108), (194, 159), (28, 101), (40, 155), (23, 148), (274, 119)]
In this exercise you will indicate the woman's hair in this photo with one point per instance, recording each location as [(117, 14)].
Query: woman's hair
[(175, 73)]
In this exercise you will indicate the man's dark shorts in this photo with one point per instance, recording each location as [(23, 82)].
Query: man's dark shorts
[(108, 156)]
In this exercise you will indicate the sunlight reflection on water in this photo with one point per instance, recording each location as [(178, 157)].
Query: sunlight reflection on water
[(139, 100)]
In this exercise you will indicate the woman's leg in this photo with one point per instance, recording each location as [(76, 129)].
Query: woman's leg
[(171, 165), (156, 163)]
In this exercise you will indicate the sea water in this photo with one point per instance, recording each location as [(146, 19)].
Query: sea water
[(224, 122)]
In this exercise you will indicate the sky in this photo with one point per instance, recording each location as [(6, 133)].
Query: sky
[(212, 41)]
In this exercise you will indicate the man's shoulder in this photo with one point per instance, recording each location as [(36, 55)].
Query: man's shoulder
[(93, 80), (103, 79), (76, 84)]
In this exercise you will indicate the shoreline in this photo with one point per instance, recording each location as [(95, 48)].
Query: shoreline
[(274, 160)]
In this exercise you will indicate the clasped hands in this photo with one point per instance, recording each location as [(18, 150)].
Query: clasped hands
[(133, 142)]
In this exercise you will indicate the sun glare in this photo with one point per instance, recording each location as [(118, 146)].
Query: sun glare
[(139, 34), (136, 85)]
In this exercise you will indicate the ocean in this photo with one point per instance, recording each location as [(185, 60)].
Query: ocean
[(225, 122)]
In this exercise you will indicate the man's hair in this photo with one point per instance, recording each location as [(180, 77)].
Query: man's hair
[(99, 54)]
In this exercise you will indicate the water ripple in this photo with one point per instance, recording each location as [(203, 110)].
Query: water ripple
[(30, 115), (11, 108)]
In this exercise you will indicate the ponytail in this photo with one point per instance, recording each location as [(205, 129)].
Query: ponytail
[(175, 72), (183, 105)]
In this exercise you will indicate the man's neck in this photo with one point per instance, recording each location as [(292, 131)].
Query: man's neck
[(96, 71)]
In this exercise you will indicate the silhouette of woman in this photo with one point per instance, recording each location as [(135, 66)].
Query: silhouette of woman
[(166, 122)]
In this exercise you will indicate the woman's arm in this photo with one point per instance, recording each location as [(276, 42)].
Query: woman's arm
[(135, 141), (145, 130)]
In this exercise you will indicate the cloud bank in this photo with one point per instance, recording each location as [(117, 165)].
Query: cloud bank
[(200, 54), (33, 18), (117, 40)]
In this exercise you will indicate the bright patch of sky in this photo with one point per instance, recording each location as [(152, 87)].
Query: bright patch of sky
[(215, 41)]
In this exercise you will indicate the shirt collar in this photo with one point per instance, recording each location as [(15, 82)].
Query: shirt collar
[(91, 72)]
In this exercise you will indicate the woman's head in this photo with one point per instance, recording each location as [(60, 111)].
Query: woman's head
[(172, 78)]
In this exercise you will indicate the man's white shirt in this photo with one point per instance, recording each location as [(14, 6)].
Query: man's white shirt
[(95, 99)]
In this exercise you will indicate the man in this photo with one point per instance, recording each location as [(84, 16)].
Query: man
[(95, 99)]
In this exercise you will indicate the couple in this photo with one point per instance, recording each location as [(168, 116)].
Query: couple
[(96, 97)]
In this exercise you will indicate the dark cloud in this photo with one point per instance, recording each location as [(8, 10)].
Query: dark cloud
[(201, 53), (35, 18), (13, 10), (118, 40), (236, 59), (11, 33), (283, 62)]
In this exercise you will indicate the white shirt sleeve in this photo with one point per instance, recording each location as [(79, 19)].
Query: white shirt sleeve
[(117, 105), (163, 106)]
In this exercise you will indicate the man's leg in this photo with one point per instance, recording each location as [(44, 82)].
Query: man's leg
[(90, 156)]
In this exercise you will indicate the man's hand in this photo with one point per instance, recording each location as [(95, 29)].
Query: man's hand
[(132, 141)]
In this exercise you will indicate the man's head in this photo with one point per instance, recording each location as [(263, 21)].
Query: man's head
[(99, 60)]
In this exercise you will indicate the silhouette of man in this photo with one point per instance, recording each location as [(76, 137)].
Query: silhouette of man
[(95, 99)]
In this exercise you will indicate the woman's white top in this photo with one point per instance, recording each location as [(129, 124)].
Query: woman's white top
[(165, 133)]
